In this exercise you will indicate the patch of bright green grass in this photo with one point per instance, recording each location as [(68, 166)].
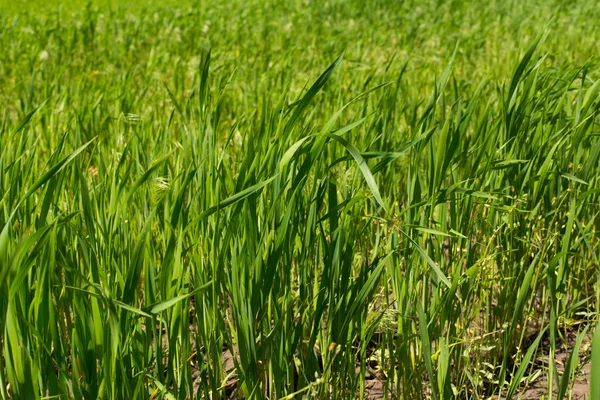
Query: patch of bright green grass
[(322, 193)]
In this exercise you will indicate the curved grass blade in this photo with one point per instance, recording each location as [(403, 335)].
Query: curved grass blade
[(163, 305), (235, 198), (36, 185), (306, 99), (364, 168), (436, 269), (516, 380)]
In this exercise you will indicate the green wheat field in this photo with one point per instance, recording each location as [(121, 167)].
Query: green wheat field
[(303, 199)]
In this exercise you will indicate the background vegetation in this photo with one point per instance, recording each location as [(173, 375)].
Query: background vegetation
[(207, 200)]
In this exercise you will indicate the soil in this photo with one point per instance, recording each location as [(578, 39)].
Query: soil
[(580, 389), (535, 390)]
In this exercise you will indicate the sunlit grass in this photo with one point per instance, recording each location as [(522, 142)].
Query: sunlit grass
[(287, 199)]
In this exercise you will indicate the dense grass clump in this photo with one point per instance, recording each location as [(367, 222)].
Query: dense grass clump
[(287, 199)]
